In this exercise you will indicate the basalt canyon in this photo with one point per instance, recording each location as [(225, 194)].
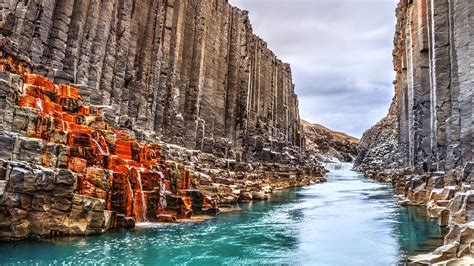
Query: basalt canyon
[(119, 113), (425, 144)]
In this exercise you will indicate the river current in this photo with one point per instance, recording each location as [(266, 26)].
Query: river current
[(348, 220)]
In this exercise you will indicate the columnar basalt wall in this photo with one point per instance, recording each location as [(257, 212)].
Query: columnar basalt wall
[(190, 70), (435, 75), (433, 60), (94, 95), (425, 144), (65, 171)]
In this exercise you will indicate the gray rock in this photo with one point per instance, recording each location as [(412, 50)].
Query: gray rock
[(193, 80), (429, 126), (259, 195)]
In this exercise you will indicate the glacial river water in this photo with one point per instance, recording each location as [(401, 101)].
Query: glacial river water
[(347, 221)]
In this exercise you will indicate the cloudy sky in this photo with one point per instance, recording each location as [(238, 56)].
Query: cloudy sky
[(340, 52)]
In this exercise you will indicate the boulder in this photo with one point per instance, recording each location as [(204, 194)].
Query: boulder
[(259, 195), (245, 196)]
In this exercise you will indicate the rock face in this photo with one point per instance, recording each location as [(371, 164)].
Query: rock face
[(117, 112), (425, 144), (433, 59), (65, 171), (191, 71), (326, 144), (433, 104), (378, 147)]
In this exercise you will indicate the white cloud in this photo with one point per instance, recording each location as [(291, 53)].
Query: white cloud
[(340, 52)]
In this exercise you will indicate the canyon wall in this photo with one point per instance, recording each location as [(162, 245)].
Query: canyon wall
[(65, 171), (433, 60), (124, 111), (425, 144), (378, 147), (190, 71), (327, 145), (435, 75)]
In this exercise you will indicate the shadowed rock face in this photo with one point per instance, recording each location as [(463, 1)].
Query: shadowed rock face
[(190, 70), (378, 147)]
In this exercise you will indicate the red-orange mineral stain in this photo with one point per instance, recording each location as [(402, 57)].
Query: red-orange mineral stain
[(95, 147)]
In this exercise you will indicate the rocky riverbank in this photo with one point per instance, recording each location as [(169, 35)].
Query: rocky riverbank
[(424, 145), (114, 113), (66, 171), (449, 202)]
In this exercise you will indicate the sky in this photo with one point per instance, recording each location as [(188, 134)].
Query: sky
[(340, 53)]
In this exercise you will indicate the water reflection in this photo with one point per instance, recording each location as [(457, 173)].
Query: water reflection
[(415, 231)]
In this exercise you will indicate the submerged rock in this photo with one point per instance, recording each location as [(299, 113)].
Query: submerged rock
[(245, 196)]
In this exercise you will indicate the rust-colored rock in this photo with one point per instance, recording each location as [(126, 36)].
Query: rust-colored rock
[(193, 71), (94, 92), (111, 167)]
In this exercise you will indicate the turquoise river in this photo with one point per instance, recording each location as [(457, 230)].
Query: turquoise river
[(348, 220)]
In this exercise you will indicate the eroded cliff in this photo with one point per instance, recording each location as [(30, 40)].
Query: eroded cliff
[(122, 111), (425, 144), (378, 148), (191, 71)]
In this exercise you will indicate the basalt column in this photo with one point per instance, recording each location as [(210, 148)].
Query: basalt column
[(419, 83), (433, 59), (191, 71)]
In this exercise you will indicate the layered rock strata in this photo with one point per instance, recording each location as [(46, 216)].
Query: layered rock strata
[(191, 71), (429, 151)]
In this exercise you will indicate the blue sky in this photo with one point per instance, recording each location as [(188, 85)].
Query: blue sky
[(340, 52)]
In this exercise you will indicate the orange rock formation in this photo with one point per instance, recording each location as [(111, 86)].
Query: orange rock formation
[(131, 176)]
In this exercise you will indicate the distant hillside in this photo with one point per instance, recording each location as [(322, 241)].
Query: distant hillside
[(326, 143)]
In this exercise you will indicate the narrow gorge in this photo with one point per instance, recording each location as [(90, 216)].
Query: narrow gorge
[(167, 131), (118, 112)]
